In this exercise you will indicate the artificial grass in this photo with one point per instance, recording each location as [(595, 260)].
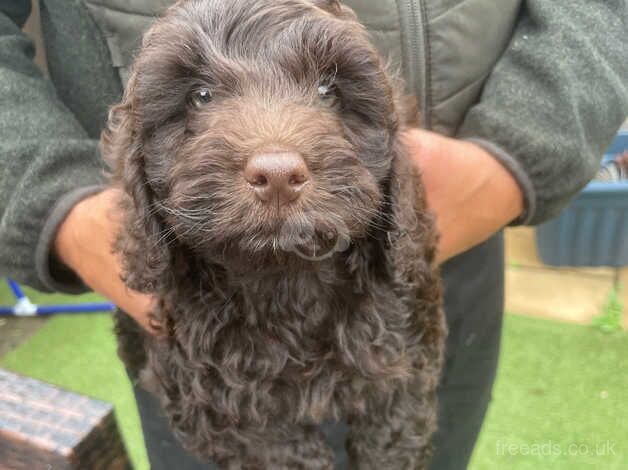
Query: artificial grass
[(559, 400)]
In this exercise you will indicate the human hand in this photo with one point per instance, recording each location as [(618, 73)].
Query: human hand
[(470, 192), (84, 243)]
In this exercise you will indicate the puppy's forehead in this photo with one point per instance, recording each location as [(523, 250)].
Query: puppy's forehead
[(261, 31), (260, 48), (222, 16)]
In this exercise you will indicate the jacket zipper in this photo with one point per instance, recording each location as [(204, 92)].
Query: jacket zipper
[(417, 54)]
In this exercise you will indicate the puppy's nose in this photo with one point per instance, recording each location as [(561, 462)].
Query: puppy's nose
[(277, 176)]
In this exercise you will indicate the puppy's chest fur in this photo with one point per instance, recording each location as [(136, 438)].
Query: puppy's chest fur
[(251, 347)]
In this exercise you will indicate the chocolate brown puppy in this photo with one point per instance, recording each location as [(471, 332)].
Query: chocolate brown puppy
[(275, 215)]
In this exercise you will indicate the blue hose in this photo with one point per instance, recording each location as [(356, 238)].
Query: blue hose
[(33, 310), (77, 308), (16, 289)]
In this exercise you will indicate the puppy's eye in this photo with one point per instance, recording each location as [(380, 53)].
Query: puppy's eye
[(201, 97), (329, 94)]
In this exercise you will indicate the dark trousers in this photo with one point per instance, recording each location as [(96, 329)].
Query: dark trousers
[(473, 304)]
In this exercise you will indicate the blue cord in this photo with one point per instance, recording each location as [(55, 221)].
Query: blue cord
[(78, 308), (16, 289), (52, 309)]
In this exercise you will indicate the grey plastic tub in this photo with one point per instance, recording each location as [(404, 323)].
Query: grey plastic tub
[(593, 229)]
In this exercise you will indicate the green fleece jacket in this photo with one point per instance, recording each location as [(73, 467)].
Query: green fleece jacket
[(555, 96)]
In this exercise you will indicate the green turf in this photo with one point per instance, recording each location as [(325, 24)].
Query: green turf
[(559, 401)]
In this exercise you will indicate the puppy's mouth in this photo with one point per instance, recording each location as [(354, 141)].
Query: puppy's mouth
[(301, 233), (314, 238)]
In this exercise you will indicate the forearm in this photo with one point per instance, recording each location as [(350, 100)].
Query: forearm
[(47, 162), (555, 99)]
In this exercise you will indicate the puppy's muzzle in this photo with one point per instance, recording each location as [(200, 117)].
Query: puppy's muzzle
[(277, 177)]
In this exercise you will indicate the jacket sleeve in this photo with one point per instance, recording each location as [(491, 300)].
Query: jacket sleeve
[(47, 162), (555, 99)]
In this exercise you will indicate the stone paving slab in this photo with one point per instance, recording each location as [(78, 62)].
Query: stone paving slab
[(14, 330), (567, 294)]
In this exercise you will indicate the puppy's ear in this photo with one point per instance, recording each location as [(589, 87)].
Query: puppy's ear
[(411, 237), (141, 244)]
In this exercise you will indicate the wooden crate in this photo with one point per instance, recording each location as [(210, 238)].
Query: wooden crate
[(45, 427)]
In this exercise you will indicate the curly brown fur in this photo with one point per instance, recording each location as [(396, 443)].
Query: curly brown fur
[(276, 318)]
